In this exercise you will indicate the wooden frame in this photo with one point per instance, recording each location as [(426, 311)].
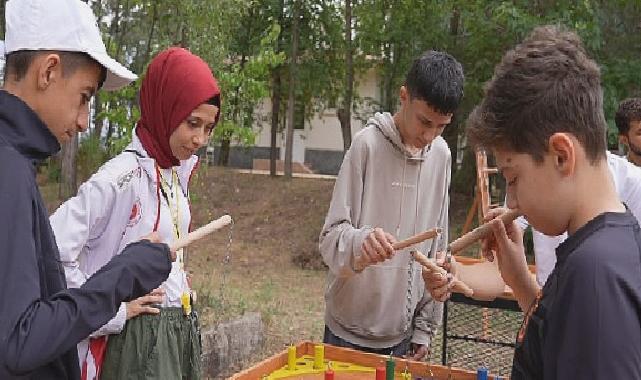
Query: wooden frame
[(422, 369), (481, 205)]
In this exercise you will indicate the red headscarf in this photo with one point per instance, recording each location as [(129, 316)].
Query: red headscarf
[(177, 82)]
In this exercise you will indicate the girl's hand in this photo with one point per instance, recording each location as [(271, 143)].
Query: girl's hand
[(146, 304)]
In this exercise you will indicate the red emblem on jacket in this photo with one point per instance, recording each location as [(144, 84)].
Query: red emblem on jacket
[(136, 213)]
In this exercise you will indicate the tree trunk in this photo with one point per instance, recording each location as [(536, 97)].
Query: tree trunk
[(223, 157), (68, 172), (289, 142), (110, 132), (387, 105), (386, 96), (454, 23), (277, 90), (2, 22), (451, 133), (97, 7), (386, 88), (225, 141), (395, 68), (154, 17), (113, 28), (276, 93), (97, 120), (345, 114), (184, 37), (122, 33)]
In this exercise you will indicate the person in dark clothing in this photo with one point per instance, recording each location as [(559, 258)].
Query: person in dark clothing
[(542, 117), (55, 63)]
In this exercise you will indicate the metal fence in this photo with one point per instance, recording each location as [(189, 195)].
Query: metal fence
[(478, 334)]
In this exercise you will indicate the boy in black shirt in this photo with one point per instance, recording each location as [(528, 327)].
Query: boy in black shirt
[(542, 117)]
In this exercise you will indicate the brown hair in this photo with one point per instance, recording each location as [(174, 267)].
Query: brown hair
[(629, 110), (546, 84), (18, 63)]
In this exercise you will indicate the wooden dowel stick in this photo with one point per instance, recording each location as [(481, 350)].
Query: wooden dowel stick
[(457, 285), (201, 232), (418, 238), (480, 232)]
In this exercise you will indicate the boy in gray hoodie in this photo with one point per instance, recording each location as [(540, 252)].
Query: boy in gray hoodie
[(393, 183)]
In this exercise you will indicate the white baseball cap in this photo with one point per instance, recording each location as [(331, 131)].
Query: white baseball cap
[(61, 25)]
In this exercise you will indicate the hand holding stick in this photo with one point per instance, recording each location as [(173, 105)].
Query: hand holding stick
[(457, 285), (480, 232), (200, 233), (485, 289), (360, 262)]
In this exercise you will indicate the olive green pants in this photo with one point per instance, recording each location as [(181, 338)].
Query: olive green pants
[(163, 347)]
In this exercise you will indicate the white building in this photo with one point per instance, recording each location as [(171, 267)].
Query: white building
[(318, 143)]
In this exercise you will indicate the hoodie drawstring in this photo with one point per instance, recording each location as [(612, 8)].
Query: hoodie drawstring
[(400, 210), (410, 265)]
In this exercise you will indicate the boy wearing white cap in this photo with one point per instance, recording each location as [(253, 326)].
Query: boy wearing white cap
[(55, 62)]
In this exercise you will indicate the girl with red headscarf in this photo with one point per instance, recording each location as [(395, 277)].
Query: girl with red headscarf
[(145, 189)]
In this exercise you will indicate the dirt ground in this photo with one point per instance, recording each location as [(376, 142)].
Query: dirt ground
[(275, 221)]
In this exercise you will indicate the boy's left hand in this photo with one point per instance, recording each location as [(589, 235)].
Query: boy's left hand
[(440, 286), (506, 245), (418, 352)]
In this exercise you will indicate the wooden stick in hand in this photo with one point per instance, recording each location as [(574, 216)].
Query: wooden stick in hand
[(457, 285), (200, 232), (418, 238), (481, 231), (360, 264)]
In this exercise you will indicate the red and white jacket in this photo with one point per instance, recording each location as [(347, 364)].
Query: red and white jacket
[(118, 205)]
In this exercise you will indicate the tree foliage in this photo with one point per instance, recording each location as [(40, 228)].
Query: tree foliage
[(248, 42)]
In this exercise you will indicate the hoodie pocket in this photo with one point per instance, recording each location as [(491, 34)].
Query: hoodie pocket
[(372, 304)]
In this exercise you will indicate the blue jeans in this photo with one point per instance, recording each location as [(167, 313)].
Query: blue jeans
[(399, 350)]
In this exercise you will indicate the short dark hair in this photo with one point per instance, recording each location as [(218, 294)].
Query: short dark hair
[(18, 63), (546, 84), (436, 78), (629, 110)]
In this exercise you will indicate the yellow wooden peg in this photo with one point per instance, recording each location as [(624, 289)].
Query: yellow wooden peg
[(291, 358), (319, 356), (186, 303)]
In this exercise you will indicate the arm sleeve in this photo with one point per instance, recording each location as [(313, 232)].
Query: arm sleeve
[(340, 241), (429, 313), (45, 328), (596, 329), (80, 219), (115, 325), (429, 316), (36, 328)]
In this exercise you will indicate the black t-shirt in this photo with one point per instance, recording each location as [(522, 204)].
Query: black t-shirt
[(587, 323)]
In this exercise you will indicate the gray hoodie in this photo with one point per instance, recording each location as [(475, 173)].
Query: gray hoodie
[(381, 184)]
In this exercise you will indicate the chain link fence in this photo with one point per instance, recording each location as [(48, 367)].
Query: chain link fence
[(478, 334)]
